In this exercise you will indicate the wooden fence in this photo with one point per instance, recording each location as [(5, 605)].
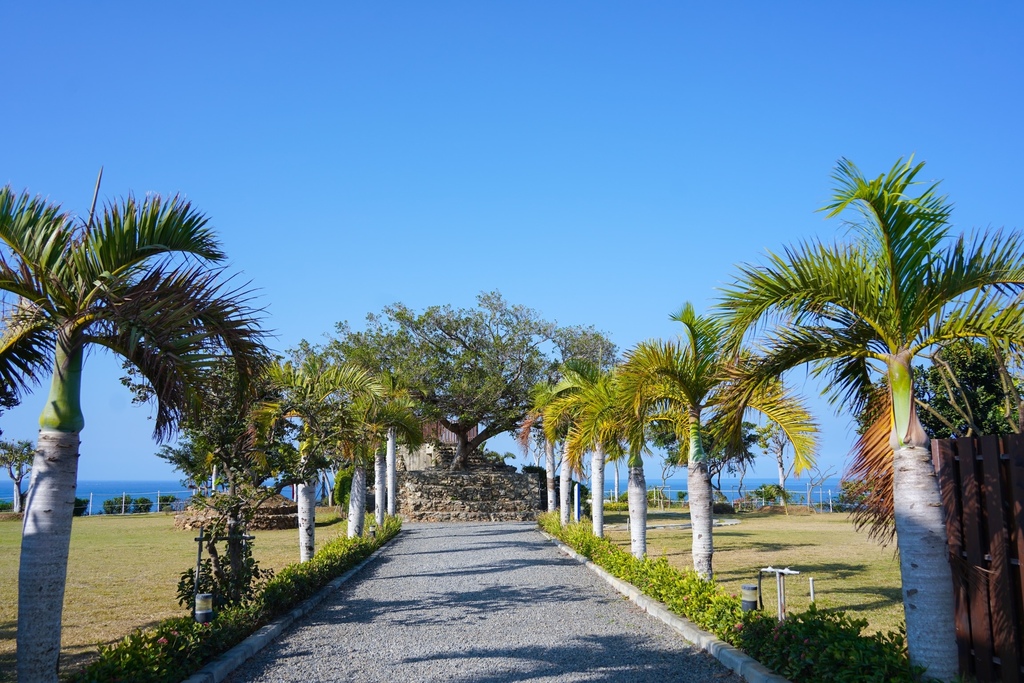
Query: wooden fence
[(982, 485)]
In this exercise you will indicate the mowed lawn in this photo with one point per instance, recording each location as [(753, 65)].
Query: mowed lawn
[(123, 574), (850, 571)]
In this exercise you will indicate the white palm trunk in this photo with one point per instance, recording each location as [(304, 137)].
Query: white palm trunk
[(636, 494), (698, 483), (306, 495), (357, 502), (380, 475), (392, 473), (17, 498), (597, 490), (549, 468), (563, 491), (46, 536), (616, 481), (924, 564)]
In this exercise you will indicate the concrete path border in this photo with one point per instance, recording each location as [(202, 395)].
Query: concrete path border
[(731, 657), (221, 667)]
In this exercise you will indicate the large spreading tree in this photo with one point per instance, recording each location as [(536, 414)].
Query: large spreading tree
[(138, 280), (470, 370)]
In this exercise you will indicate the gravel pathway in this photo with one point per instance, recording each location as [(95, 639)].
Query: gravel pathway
[(478, 602)]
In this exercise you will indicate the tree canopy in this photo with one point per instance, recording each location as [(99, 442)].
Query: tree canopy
[(469, 368)]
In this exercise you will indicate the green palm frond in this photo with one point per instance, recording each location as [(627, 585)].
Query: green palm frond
[(132, 232)]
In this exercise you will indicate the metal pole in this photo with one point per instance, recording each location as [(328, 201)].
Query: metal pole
[(90, 504), (123, 496), (811, 579)]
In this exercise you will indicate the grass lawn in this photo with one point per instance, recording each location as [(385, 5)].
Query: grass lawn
[(123, 574), (849, 570)]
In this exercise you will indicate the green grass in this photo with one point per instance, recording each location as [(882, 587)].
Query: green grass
[(123, 574), (849, 570)]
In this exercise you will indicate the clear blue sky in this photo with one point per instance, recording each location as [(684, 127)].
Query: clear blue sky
[(599, 162)]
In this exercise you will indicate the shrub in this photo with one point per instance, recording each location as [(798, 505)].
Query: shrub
[(723, 509), (828, 646), (141, 505), (81, 507), (115, 506), (6, 506), (342, 488), (167, 503), (176, 648), (812, 646)]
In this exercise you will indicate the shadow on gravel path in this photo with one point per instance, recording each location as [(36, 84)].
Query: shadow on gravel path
[(478, 602)]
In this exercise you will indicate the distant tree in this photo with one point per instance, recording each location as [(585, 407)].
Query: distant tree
[(467, 368), (967, 391), (17, 457)]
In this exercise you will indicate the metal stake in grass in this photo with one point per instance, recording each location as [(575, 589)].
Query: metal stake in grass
[(780, 586)]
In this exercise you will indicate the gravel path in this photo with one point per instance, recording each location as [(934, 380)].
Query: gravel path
[(478, 602)]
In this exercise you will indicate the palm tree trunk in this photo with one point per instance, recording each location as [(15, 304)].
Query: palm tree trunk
[(563, 490), (46, 536), (616, 481), (636, 493), (549, 469), (597, 491), (380, 475), (698, 484), (17, 497), (357, 501), (925, 572), (306, 495), (392, 473)]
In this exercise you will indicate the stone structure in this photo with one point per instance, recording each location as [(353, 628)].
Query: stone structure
[(277, 512), (469, 496)]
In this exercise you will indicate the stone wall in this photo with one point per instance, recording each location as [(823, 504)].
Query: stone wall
[(470, 496)]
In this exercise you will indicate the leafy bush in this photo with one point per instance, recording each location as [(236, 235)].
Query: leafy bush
[(231, 587), (812, 646), (6, 506), (167, 503), (81, 507), (723, 509), (141, 505), (852, 492), (342, 488), (828, 646), (176, 648), (115, 506)]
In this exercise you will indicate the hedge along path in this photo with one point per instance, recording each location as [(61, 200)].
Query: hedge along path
[(478, 602)]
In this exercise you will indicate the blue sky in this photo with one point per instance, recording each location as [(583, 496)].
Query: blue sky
[(599, 162)]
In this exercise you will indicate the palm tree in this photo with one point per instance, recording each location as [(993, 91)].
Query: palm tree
[(897, 289), (540, 397), (386, 466), (587, 397), (114, 283), (315, 393), (676, 382), (368, 422)]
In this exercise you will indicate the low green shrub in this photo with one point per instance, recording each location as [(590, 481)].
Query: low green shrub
[(81, 507), (826, 645), (176, 648), (816, 645), (723, 509), (6, 506), (167, 503), (141, 505)]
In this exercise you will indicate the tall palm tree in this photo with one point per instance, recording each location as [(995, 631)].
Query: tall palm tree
[(587, 396), (368, 422), (386, 465), (868, 307), (540, 397), (136, 280), (686, 382), (316, 393)]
